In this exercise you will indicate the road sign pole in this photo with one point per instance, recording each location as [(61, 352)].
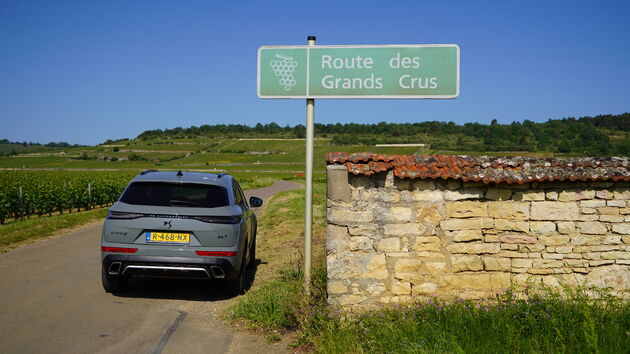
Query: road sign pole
[(308, 200)]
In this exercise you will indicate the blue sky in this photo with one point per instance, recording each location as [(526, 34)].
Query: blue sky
[(87, 71)]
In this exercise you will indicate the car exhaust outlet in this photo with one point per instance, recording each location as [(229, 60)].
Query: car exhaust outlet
[(114, 268), (217, 272)]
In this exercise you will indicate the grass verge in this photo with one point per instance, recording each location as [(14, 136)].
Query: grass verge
[(546, 320), (23, 231)]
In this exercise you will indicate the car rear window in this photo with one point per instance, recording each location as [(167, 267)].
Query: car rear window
[(175, 194)]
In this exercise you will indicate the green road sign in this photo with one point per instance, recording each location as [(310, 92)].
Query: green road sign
[(359, 71)]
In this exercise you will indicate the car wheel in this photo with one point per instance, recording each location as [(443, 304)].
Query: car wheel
[(252, 255), (113, 283), (237, 286)]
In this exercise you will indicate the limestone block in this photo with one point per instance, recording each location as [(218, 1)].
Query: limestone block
[(522, 263), (512, 254), (546, 263), (518, 238), (343, 216), (615, 276), (388, 196), (336, 238), (497, 264), (430, 256), (589, 217), (498, 194), (604, 194), (552, 256), (427, 196), (542, 227), (588, 210), (625, 239), (621, 193), (612, 240), (608, 211), (571, 195), (401, 288), (616, 255), (407, 265), (464, 193), (529, 195), (423, 247), (391, 244), (616, 203), (337, 287), (540, 271), (555, 240), (554, 211), (396, 215), (476, 280), (430, 215), (611, 218), (508, 246), (600, 263), (624, 211), (491, 237), (411, 229), (592, 228), (466, 263), (435, 268), (592, 203), (363, 230), (509, 210), (551, 195), (424, 289), (465, 235), (511, 225), (474, 248), (566, 227), (375, 288), (359, 243), (580, 240), (562, 249), (427, 239), (466, 209), (592, 256), (466, 224), (346, 300), (536, 247), (338, 188), (533, 255), (621, 228)]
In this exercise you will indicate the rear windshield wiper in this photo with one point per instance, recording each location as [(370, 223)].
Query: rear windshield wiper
[(184, 202)]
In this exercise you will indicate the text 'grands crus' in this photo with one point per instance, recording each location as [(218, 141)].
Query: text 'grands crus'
[(371, 81)]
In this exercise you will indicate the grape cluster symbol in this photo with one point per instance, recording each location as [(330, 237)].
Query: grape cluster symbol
[(284, 70)]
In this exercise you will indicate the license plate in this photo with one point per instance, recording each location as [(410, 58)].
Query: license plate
[(168, 237)]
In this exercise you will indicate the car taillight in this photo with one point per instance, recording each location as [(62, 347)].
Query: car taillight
[(120, 215), (219, 219), (118, 249), (216, 254)]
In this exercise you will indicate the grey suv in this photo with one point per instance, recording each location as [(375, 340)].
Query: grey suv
[(180, 224)]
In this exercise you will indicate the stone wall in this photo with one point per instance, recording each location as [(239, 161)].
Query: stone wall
[(392, 240)]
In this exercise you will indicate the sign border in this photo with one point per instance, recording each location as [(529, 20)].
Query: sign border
[(357, 96)]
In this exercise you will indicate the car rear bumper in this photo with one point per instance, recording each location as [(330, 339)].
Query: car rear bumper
[(179, 267)]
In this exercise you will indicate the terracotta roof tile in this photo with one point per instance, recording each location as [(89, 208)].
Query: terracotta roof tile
[(485, 168)]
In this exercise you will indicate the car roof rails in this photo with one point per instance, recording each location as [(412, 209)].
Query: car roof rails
[(222, 174), (147, 171)]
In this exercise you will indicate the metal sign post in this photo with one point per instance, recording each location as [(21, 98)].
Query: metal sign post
[(352, 71), (308, 200)]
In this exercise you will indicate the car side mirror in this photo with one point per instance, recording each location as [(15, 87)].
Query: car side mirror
[(255, 202)]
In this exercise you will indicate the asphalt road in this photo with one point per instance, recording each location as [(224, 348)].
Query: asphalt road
[(52, 301)]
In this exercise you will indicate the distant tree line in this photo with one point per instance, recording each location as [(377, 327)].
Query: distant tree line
[(580, 136)]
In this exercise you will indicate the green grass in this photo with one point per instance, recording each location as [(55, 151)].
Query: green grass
[(24, 231)]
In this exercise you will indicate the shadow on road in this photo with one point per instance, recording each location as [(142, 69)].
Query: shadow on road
[(182, 289)]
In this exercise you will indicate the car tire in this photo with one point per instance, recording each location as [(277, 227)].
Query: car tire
[(237, 286), (252, 255), (113, 283)]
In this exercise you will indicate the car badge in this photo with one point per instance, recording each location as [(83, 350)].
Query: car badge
[(168, 223)]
